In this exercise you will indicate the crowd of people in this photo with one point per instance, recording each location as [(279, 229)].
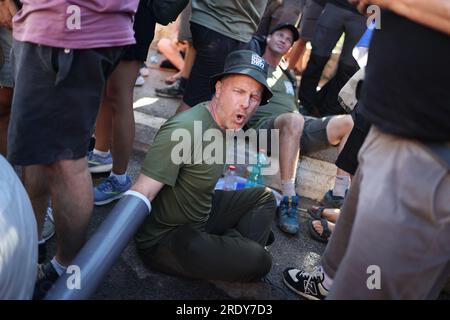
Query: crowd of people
[(67, 73)]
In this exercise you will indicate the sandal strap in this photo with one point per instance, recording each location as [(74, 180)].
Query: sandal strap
[(326, 233), (316, 214)]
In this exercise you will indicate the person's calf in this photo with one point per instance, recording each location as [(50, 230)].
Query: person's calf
[(36, 182), (71, 190)]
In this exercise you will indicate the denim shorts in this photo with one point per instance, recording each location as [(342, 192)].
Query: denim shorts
[(56, 99)]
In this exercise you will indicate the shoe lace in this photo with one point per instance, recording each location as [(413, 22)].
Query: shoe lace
[(293, 212), (316, 275), (106, 185)]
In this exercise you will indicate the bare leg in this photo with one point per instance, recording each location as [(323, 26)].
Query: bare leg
[(71, 193), (5, 111), (103, 127), (291, 128), (36, 182), (330, 214), (119, 98), (338, 130), (171, 51)]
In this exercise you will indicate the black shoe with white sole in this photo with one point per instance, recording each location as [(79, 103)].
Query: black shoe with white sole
[(308, 285)]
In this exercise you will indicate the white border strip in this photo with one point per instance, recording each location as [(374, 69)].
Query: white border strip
[(140, 196)]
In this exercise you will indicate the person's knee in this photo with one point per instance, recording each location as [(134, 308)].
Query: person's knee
[(67, 169), (346, 123), (339, 127), (290, 123)]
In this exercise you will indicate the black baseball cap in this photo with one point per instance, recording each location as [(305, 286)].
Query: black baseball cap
[(248, 63), (287, 26)]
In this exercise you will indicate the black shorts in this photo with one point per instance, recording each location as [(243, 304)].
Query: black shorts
[(144, 31), (314, 136), (348, 157), (212, 49), (56, 99)]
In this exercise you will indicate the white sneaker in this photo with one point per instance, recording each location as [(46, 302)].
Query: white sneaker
[(139, 81), (144, 72)]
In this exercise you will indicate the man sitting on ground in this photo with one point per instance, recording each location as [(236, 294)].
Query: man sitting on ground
[(297, 134), (194, 231)]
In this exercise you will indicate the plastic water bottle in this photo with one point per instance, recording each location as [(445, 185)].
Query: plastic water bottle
[(263, 162), (255, 178), (230, 179)]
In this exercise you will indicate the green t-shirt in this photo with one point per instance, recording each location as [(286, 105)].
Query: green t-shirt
[(189, 183), (284, 99), (237, 19)]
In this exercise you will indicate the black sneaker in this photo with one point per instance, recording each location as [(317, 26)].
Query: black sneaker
[(46, 277), (175, 90), (308, 285)]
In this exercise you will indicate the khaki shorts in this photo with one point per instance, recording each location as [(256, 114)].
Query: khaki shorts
[(396, 220)]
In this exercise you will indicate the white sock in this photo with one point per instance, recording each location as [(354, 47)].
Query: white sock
[(101, 153), (288, 187), (327, 281), (60, 269), (341, 185), (122, 178)]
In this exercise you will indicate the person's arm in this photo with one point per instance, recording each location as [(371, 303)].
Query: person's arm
[(7, 11), (434, 14), (147, 186)]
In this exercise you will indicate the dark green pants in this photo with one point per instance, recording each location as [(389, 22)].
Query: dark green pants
[(230, 247)]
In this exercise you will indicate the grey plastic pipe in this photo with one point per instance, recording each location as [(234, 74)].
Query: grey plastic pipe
[(101, 251)]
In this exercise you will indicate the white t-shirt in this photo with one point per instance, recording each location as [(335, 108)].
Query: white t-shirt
[(18, 237)]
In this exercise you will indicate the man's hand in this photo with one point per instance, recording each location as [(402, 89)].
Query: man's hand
[(362, 5), (7, 11)]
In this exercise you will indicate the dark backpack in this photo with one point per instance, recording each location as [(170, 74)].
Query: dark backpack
[(167, 11)]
